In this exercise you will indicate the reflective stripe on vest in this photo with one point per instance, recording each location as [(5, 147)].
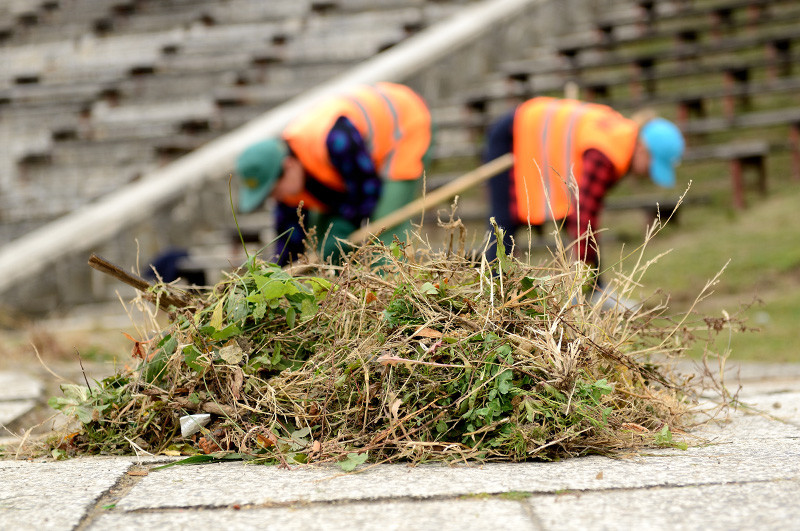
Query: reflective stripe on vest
[(393, 120), (550, 137)]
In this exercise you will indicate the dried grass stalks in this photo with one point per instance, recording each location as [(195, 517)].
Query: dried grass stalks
[(405, 354)]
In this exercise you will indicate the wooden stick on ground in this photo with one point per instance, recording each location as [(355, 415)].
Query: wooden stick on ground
[(453, 188), (165, 300)]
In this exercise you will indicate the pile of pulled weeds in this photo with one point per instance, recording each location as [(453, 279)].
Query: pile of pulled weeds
[(397, 355)]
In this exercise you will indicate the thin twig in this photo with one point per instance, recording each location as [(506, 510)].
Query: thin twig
[(83, 371)]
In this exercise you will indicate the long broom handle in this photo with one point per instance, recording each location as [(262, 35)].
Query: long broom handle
[(441, 194)]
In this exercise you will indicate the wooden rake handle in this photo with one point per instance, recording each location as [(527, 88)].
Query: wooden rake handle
[(441, 194)]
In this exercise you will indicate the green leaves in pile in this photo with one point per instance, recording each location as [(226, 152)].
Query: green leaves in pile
[(664, 438), (353, 460), (267, 299), (266, 294), (495, 405), (81, 402), (273, 286), (401, 310), (92, 407), (487, 403), (153, 369)]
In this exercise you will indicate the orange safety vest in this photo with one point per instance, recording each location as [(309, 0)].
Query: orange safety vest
[(550, 137), (393, 120)]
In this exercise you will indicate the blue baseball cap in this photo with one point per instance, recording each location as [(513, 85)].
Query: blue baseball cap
[(665, 143), (259, 167)]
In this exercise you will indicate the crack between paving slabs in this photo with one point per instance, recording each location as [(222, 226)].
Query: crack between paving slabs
[(580, 492), (323, 503), (532, 515), (136, 471), (126, 482)]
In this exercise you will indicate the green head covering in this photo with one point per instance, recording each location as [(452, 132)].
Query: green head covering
[(259, 167)]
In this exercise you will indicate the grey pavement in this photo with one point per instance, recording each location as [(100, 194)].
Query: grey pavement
[(19, 393), (744, 475)]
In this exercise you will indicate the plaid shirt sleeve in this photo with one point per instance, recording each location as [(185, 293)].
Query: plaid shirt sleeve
[(349, 155), (599, 176)]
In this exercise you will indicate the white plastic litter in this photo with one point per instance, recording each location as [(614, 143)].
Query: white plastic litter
[(191, 424)]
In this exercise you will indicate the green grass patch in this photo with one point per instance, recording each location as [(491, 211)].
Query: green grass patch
[(759, 246)]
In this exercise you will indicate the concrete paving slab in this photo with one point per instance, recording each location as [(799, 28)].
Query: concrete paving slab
[(759, 505), (770, 416), (11, 411), (236, 483), (755, 427), (455, 515), (54, 495), (19, 386), (782, 406), (767, 387)]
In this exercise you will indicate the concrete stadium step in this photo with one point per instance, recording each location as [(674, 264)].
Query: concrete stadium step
[(671, 21), (75, 62), (30, 95), (152, 119), (244, 11)]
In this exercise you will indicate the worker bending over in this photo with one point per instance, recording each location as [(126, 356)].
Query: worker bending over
[(355, 157), (561, 142)]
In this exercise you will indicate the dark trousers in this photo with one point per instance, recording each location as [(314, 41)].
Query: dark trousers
[(289, 240), (499, 141)]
